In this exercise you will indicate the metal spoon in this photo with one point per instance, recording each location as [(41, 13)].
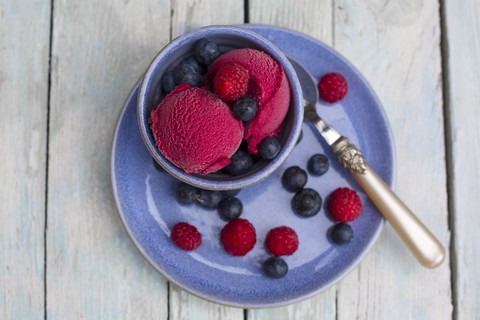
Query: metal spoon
[(421, 242)]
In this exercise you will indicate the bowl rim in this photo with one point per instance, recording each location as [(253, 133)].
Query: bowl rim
[(296, 109)]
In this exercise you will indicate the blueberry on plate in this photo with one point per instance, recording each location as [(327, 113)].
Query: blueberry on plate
[(275, 267), (341, 233), (294, 178), (206, 51), (185, 193), (269, 148), (245, 108), (230, 193), (230, 208), (318, 164), (186, 73), (168, 81), (240, 163), (208, 198), (307, 202)]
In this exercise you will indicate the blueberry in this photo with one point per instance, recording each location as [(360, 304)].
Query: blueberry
[(230, 193), (186, 73), (168, 81), (240, 163), (206, 51), (199, 68), (307, 202), (269, 148), (185, 193), (245, 108), (294, 179), (158, 166), (208, 198), (341, 233), (275, 267), (230, 208), (300, 137), (318, 164)]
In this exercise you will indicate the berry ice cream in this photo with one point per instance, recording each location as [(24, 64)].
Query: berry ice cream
[(268, 86), (200, 129), (195, 130)]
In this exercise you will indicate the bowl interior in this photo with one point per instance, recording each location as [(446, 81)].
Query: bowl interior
[(227, 39)]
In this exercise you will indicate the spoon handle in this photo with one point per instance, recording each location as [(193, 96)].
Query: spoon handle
[(421, 242)]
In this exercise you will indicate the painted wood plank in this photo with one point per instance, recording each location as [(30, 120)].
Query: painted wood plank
[(315, 19), (100, 49), (396, 45), (24, 51), (463, 51), (188, 16)]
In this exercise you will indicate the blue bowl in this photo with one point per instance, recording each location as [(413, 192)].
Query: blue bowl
[(228, 38)]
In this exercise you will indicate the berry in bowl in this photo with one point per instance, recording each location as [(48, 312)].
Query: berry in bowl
[(220, 108)]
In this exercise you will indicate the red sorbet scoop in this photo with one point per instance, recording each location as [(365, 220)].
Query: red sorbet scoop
[(269, 87), (196, 130)]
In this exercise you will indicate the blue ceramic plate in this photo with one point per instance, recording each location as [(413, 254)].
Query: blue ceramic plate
[(145, 199)]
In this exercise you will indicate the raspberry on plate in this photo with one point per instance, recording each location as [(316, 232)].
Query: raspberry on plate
[(344, 205), (282, 241), (238, 237), (230, 82), (186, 236), (332, 87)]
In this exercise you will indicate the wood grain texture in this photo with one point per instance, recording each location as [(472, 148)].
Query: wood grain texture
[(188, 16), (463, 52), (24, 51), (100, 49), (315, 19), (396, 46)]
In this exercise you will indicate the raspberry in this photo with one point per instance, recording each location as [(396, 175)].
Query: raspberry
[(238, 237), (230, 82), (186, 236), (282, 241), (332, 87), (344, 205)]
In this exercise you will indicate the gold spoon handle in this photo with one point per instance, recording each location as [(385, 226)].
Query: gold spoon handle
[(421, 242)]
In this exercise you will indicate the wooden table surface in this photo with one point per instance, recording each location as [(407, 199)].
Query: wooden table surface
[(66, 69)]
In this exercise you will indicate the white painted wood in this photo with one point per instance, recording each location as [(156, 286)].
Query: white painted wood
[(463, 40), (188, 16), (315, 19), (311, 17), (396, 46), (24, 50), (100, 49)]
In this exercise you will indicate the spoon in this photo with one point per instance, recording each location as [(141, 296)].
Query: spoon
[(421, 242)]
